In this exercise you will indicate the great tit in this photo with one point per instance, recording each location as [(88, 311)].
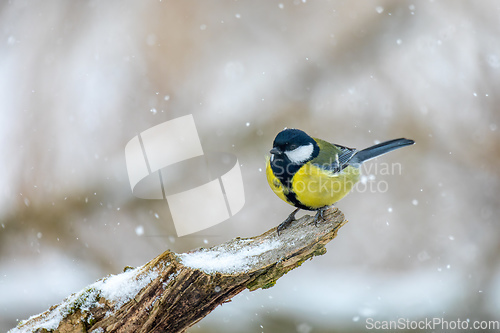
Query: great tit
[(313, 174)]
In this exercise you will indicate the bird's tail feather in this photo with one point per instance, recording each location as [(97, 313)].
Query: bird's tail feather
[(379, 149)]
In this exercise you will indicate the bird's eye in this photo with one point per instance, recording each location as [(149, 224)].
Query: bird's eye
[(293, 147)]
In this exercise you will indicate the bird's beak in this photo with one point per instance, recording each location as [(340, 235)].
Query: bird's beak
[(275, 151)]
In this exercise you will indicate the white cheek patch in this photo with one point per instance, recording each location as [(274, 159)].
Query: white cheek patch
[(301, 154)]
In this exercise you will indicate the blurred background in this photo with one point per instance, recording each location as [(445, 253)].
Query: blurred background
[(79, 79)]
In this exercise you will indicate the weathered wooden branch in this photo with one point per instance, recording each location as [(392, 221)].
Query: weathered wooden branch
[(174, 291)]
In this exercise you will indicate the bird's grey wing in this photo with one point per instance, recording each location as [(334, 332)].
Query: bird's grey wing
[(338, 161)]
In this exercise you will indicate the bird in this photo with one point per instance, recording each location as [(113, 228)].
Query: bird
[(313, 174)]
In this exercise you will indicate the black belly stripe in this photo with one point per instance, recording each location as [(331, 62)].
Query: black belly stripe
[(292, 198), (284, 170)]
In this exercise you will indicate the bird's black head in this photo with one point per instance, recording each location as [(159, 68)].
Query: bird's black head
[(294, 146)]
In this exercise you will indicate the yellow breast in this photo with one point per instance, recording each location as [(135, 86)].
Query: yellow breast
[(275, 183), (315, 187)]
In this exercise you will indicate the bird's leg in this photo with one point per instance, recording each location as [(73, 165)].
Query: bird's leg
[(319, 215), (287, 221)]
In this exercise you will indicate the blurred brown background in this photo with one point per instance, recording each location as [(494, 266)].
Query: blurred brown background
[(79, 79)]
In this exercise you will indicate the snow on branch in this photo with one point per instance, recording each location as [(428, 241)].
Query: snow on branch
[(174, 291)]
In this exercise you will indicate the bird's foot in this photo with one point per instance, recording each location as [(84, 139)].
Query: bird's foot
[(320, 215), (287, 221)]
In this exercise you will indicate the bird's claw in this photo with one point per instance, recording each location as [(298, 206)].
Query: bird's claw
[(283, 225), (319, 215)]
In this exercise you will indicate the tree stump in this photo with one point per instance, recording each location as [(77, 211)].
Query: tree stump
[(174, 291)]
